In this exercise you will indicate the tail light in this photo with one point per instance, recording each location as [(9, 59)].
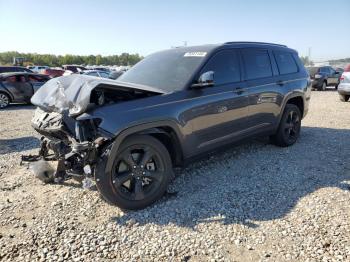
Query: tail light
[(342, 78)]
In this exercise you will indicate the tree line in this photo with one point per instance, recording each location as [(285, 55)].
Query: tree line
[(6, 58)]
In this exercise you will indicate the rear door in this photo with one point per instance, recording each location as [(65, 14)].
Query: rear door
[(219, 113), (264, 86)]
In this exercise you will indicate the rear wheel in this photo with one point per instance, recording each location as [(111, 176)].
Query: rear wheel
[(289, 128), (140, 173), (4, 100), (344, 98)]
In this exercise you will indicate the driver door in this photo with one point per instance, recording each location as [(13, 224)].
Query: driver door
[(220, 111)]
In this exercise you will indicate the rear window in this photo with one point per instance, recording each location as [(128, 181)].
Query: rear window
[(257, 64), (285, 62)]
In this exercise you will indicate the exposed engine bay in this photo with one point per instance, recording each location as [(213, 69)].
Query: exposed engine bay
[(71, 146)]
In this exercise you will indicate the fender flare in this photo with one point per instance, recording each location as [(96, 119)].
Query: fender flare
[(285, 101), (135, 129)]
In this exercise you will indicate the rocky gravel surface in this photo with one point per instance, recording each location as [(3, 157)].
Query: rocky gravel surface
[(254, 202)]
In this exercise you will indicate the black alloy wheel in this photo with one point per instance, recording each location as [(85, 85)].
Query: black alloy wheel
[(289, 128), (140, 173)]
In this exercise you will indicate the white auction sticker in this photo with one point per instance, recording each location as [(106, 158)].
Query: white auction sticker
[(195, 54)]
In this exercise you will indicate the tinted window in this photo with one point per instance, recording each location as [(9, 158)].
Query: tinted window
[(33, 78), (256, 63), (285, 62), (225, 65)]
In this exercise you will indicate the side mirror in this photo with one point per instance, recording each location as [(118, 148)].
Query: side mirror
[(206, 79)]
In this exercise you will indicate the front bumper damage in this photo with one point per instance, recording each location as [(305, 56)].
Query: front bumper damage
[(69, 148)]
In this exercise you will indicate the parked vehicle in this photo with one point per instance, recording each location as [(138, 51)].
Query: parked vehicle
[(115, 74), (70, 69), (38, 69), (96, 73), (344, 85), (324, 76), (171, 107), (53, 72), (19, 87), (9, 69)]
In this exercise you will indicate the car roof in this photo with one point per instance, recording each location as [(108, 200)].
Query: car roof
[(7, 74)]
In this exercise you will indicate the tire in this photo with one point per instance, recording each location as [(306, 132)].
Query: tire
[(344, 98), (140, 175), (323, 87), (289, 127), (4, 100)]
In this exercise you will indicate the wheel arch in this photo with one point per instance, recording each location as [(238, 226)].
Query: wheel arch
[(3, 91), (296, 99), (165, 131)]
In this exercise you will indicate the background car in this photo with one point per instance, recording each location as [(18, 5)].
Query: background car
[(97, 73), (70, 69), (19, 87), (53, 72), (344, 85), (324, 76), (7, 69), (38, 69)]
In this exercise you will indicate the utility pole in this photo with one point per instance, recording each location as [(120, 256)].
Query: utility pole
[(309, 55)]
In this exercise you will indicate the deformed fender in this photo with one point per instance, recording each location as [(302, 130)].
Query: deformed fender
[(135, 129)]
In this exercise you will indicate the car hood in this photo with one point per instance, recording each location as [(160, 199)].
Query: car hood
[(72, 93)]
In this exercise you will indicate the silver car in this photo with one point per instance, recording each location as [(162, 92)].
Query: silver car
[(344, 85), (19, 87)]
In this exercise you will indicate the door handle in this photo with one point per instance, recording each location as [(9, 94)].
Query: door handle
[(238, 90), (280, 82)]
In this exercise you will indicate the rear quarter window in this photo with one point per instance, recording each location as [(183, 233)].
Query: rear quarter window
[(257, 64), (285, 62)]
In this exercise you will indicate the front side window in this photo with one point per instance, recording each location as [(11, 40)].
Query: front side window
[(257, 63), (226, 68), (285, 62)]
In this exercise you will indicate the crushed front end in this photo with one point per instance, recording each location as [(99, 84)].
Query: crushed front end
[(72, 141), (69, 147)]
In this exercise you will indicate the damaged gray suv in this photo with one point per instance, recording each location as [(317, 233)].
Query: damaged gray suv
[(171, 107)]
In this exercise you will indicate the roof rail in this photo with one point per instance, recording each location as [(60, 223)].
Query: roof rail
[(247, 42)]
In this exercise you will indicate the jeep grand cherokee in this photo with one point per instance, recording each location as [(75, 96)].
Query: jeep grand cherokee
[(172, 106)]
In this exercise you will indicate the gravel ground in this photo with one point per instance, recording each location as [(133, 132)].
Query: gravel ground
[(254, 202)]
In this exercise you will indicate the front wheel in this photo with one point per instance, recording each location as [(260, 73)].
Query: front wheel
[(289, 128), (140, 174), (344, 98)]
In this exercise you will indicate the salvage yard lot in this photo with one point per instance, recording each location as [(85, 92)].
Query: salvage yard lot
[(253, 202)]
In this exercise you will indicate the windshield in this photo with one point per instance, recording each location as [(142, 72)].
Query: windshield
[(167, 70)]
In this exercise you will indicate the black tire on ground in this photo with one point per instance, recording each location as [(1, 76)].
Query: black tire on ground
[(141, 172), (4, 100), (323, 87), (344, 98), (289, 127)]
